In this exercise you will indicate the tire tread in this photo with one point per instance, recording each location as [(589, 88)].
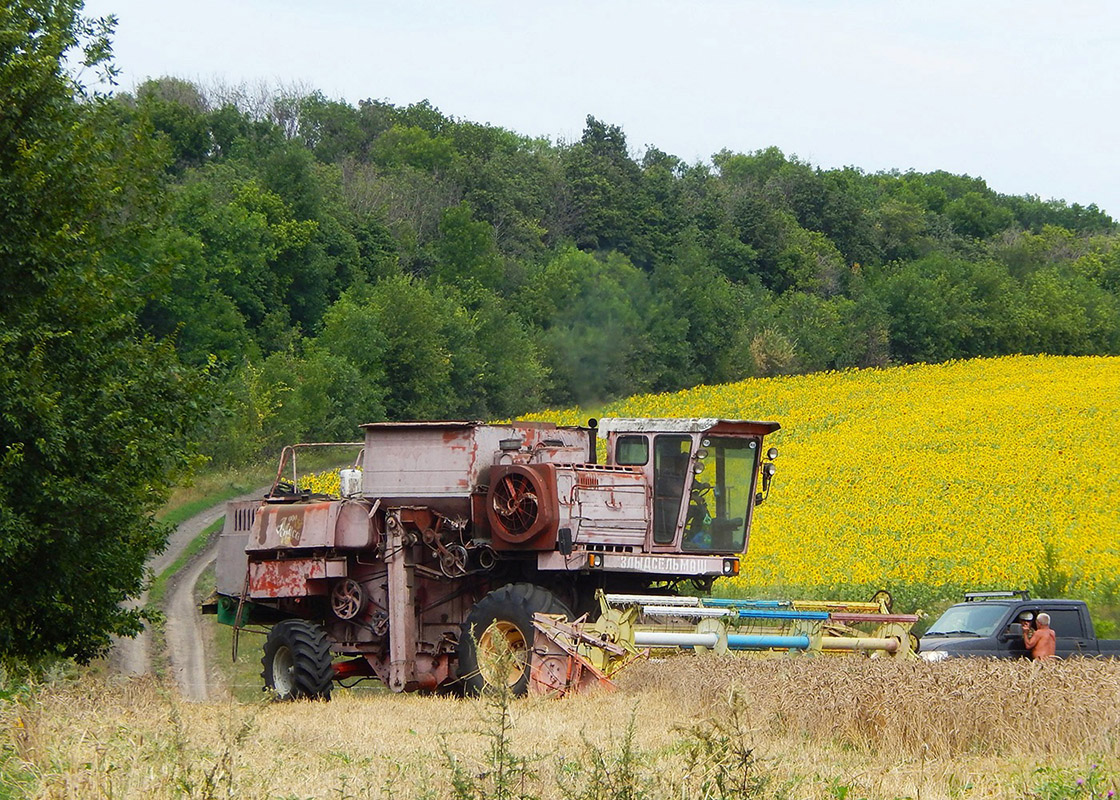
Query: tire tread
[(312, 672)]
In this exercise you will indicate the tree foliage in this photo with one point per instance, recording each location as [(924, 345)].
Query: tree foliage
[(95, 416), (446, 268)]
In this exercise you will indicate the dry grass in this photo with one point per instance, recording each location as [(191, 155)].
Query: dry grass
[(904, 708), (798, 728)]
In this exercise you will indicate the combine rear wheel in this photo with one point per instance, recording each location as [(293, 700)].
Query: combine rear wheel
[(503, 620), (297, 661)]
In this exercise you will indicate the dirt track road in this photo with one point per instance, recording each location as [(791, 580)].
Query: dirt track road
[(183, 631)]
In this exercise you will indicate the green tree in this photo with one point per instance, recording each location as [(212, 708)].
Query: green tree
[(932, 312), (607, 194), (396, 328), (1068, 315), (250, 250), (698, 313), (508, 376), (978, 215), (330, 129), (318, 397), (465, 251), (177, 110), (592, 314), (95, 419), (411, 146)]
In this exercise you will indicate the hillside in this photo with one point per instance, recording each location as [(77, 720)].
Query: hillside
[(989, 473), (336, 264)]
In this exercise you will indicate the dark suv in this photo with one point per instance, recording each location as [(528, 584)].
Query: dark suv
[(989, 624)]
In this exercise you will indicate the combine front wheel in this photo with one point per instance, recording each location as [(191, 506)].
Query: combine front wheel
[(297, 661), (501, 622)]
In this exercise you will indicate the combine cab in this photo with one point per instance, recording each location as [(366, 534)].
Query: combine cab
[(449, 537)]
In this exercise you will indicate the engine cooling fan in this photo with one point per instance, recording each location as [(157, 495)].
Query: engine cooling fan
[(521, 503), (514, 500)]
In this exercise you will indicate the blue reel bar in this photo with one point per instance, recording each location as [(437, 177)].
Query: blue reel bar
[(737, 641)]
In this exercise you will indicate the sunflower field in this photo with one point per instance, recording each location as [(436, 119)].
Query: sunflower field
[(928, 480)]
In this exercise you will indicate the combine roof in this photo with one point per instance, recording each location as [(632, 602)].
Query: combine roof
[(685, 425), (458, 423), (608, 425)]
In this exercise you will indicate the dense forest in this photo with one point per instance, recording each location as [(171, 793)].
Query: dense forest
[(335, 264), (201, 274)]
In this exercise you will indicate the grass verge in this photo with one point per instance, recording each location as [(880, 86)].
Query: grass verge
[(210, 488), (241, 676), (159, 585)]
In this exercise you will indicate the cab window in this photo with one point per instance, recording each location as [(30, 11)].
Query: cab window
[(720, 495), (631, 451)]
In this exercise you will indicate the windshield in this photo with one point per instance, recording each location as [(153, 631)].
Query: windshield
[(720, 500), (980, 619)]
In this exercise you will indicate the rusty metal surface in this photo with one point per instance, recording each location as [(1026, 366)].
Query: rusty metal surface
[(402, 607), (556, 667), (447, 460), (305, 526), (295, 526), (606, 505), (353, 527), (294, 577), (521, 506)]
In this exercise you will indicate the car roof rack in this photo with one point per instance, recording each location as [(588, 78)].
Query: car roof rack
[(1022, 594)]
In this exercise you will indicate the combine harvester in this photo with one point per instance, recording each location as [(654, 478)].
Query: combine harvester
[(451, 542)]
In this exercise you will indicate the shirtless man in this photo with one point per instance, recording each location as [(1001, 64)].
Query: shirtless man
[(1041, 641)]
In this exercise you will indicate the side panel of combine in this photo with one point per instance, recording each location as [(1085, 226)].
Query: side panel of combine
[(312, 526), (607, 505), (232, 561)]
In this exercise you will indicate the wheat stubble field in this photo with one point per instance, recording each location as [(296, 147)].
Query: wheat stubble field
[(685, 727)]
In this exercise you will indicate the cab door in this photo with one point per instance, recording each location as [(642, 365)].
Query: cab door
[(1009, 640), (671, 454)]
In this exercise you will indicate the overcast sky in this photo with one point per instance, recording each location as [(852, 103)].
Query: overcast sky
[(1025, 94)]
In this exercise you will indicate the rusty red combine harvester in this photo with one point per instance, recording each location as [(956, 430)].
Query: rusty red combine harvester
[(448, 537)]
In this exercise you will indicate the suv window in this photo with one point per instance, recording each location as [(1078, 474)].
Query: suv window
[(1066, 622), (973, 619)]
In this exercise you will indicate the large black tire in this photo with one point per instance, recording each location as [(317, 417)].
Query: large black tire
[(505, 613), (297, 661)]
